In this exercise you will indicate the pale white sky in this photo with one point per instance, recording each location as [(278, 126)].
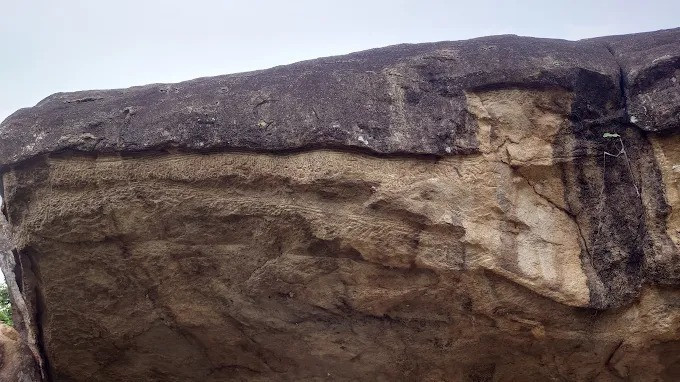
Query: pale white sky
[(49, 46)]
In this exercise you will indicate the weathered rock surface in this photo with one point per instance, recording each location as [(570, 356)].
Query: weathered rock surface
[(20, 358), (650, 74), (16, 361), (446, 211)]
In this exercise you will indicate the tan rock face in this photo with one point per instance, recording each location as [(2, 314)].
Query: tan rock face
[(16, 361), (326, 264), (437, 212), (538, 239), (667, 154)]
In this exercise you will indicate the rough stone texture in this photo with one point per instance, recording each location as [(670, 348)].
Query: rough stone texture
[(650, 68), (20, 358), (401, 99), (16, 362), (446, 211)]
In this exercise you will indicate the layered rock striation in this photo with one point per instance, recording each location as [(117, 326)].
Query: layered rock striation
[(497, 209)]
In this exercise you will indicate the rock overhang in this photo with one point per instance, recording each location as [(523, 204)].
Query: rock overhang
[(398, 99), (494, 220)]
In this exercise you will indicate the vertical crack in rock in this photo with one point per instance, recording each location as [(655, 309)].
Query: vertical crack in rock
[(29, 267), (622, 84)]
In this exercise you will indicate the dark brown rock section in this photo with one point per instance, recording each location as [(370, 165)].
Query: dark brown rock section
[(619, 206), (399, 99), (650, 68)]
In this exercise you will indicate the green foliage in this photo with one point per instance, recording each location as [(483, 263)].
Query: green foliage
[(5, 306)]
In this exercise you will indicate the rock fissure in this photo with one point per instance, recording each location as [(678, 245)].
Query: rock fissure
[(622, 85)]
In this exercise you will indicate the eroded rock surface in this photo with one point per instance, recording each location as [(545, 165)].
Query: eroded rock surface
[(447, 211), (16, 362)]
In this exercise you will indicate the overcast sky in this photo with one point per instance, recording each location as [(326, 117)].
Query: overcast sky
[(50, 46)]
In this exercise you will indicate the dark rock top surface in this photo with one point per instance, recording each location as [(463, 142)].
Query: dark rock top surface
[(402, 99)]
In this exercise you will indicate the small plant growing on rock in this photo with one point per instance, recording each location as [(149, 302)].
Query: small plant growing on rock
[(5, 306)]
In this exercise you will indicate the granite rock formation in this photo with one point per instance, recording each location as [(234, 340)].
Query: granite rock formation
[(497, 209)]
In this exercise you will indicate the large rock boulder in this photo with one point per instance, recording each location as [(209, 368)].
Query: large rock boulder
[(494, 209)]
